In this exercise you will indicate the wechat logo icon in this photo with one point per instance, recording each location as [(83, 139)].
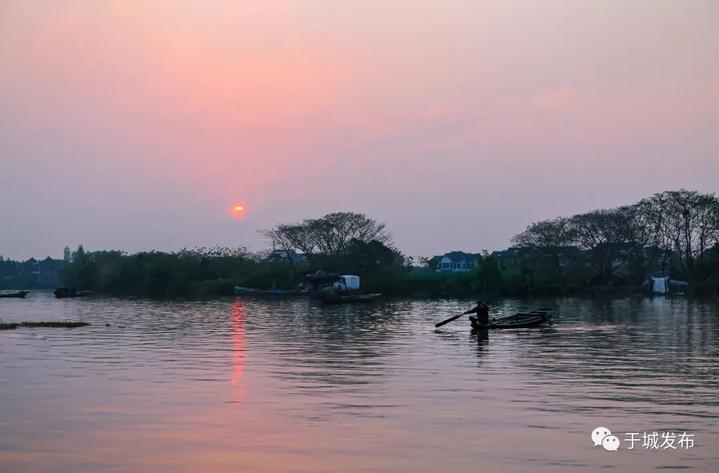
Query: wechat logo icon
[(602, 437)]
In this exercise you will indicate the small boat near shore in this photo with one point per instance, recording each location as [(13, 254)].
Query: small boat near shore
[(536, 318), (63, 292), (333, 288), (335, 298), (16, 295), (251, 291)]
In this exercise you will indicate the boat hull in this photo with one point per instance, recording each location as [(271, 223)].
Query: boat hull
[(248, 291), (15, 295), (329, 295), (348, 299), (63, 292), (539, 318)]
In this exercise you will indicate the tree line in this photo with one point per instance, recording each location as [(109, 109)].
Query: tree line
[(344, 241), (674, 233)]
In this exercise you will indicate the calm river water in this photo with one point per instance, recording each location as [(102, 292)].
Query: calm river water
[(243, 385)]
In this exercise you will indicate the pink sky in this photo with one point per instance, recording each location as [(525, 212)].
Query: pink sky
[(134, 125)]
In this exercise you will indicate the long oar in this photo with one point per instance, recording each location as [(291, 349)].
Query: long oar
[(437, 325)]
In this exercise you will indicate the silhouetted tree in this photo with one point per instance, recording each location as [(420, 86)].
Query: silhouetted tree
[(606, 234), (79, 255), (328, 235), (364, 257), (489, 273), (685, 223), (549, 241)]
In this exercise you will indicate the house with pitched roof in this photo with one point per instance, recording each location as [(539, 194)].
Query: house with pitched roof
[(455, 261)]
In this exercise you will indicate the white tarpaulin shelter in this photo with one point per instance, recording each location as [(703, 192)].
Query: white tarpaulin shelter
[(660, 285), (350, 281)]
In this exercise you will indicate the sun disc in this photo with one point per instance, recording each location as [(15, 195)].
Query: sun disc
[(238, 210)]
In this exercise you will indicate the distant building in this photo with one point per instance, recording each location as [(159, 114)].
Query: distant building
[(49, 270), (455, 261), (67, 254), (44, 273), (510, 258), (28, 270)]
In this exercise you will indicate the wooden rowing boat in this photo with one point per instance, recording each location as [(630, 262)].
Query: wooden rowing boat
[(536, 318), (18, 295), (250, 291), (63, 292), (330, 296), (351, 298)]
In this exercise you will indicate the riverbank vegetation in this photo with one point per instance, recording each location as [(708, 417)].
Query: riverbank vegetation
[(673, 234)]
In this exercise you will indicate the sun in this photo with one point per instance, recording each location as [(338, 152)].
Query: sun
[(238, 210)]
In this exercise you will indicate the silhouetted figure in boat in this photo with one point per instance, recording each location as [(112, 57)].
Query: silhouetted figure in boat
[(482, 318)]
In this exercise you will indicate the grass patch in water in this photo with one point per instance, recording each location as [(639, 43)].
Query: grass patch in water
[(43, 324)]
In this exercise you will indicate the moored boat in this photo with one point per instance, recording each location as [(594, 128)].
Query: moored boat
[(333, 288), (17, 295), (250, 291), (331, 297), (536, 318), (63, 292)]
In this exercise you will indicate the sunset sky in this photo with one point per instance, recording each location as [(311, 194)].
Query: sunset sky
[(139, 125)]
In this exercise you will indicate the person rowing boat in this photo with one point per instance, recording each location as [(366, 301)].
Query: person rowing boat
[(481, 322), (482, 318)]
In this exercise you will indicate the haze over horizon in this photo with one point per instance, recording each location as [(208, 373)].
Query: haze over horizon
[(137, 125)]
